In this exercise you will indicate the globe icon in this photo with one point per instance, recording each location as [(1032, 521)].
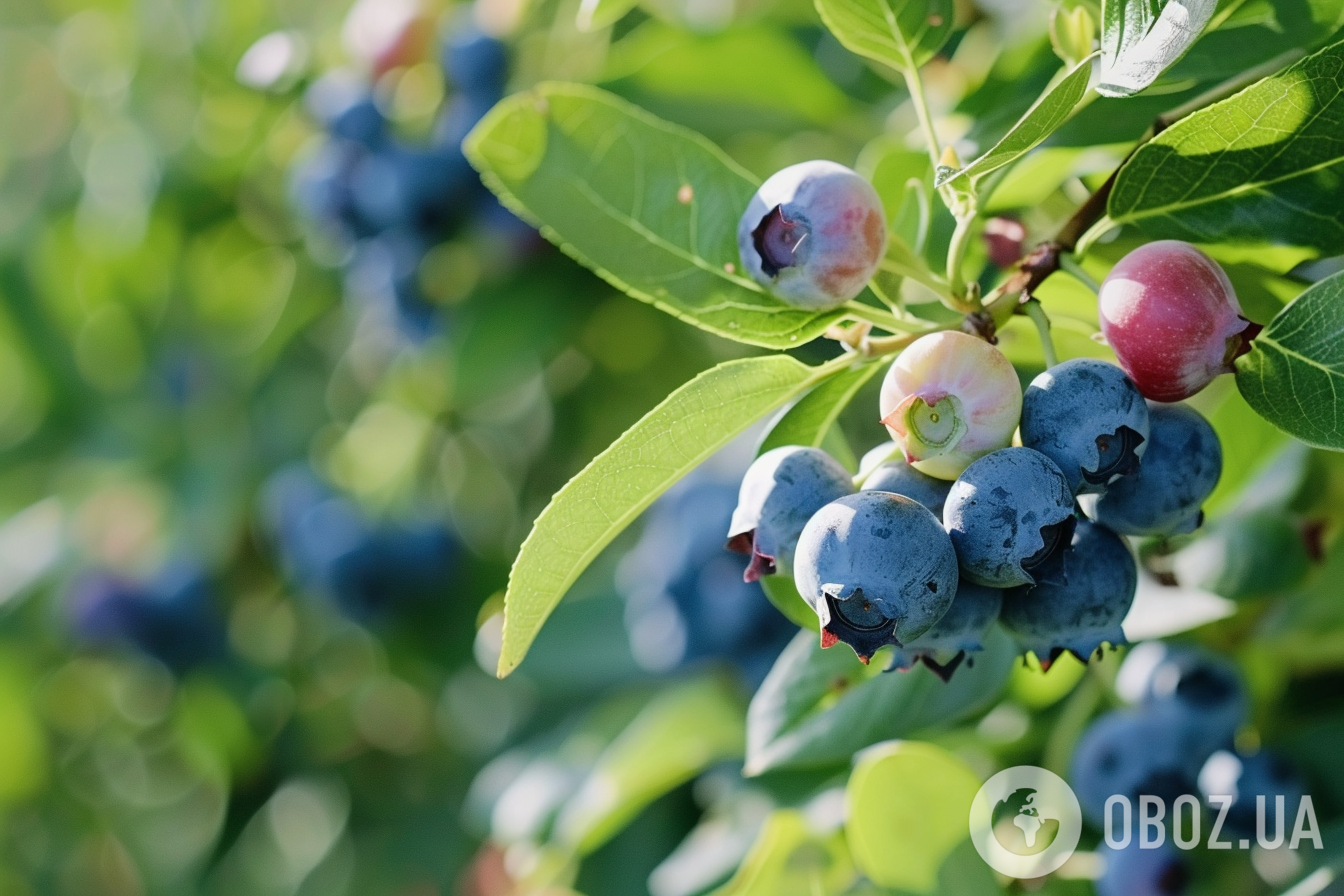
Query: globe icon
[(1019, 827)]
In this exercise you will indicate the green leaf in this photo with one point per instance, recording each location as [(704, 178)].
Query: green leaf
[(817, 707), (1294, 373), (606, 496), (908, 808), (903, 34), (724, 70), (1040, 121), (784, 595), (1140, 39), (650, 206), (680, 733), (1264, 165), (1245, 556), (811, 417), (596, 14), (791, 858)]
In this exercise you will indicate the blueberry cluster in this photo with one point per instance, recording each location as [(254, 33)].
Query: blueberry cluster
[(685, 598), (955, 527), (365, 568), (171, 616), (1189, 706), (389, 201)]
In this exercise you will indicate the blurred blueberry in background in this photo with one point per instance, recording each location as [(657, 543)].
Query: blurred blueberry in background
[(172, 616), (366, 568), (685, 598)]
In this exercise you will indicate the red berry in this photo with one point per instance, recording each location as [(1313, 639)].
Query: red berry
[(1004, 238), (1172, 317)]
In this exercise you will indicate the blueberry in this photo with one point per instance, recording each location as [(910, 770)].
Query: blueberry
[(1179, 471), (1087, 417), (475, 62), (1244, 779), (332, 549), (345, 107), (1009, 513), (1202, 690), (949, 399), (959, 632), (780, 492), (403, 187), (1135, 871), (685, 598), (1080, 605), (813, 234), (877, 568), (1129, 753), (172, 617), (883, 473), (1172, 317)]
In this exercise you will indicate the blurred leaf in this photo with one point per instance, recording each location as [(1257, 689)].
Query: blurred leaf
[(791, 859), (679, 734), (596, 14), (1249, 442), (891, 167), (23, 748), (903, 34), (606, 496), (908, 805), (726, 68), (1256, 167), (811, 417), (1040, 121), (1245, 556), (1295, 370), (650, 206), (819, 706), (1140, 39), (1246, 34), (784, 595)]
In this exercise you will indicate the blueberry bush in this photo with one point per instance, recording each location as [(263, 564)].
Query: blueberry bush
[(603, 447), (1053, 229)]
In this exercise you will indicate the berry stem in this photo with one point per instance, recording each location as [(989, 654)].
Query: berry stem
[(956, 252), (890, 321), (915, 86), (1074, 269), (1038, 317)]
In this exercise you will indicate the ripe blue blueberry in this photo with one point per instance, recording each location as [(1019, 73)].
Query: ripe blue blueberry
[(883, 470), (1129, 753), (1135, 871), (877, 568), (1246, 779), (780, 492), (813, 234), (1202, 691), (1009, 513), (959, 632), (684, 595), (1179, 471), (1080, 605), (1088, 418)]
